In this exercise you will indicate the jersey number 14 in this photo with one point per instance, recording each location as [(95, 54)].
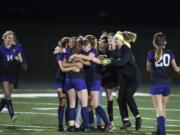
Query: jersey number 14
[(164, 61)]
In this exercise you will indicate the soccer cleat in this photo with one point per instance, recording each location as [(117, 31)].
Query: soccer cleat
[(14, 119), (125, 125), (108, 127), (138, 123)]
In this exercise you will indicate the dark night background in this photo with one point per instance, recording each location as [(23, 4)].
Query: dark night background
[(39, 24)]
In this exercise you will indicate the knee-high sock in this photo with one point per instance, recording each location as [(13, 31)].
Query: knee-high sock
[(71, 116), (10, 108), (161, 124), (91, 116), (85, 116), (102, 114), (60, 115), (110, 110), (2, 104)]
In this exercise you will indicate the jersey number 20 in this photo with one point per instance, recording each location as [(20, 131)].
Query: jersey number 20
[(164, 61)]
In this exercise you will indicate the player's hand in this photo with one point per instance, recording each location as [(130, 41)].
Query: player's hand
[(79, 65), (75, 69), (106, 62), (102, 57)]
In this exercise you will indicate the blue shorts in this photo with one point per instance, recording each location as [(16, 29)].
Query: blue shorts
[(94, 86), (160, 90), (58, 86), (77, 84), (10, 79)]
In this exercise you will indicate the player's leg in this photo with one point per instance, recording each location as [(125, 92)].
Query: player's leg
[(131, 88), (61, 108), (158, 105), (123, 105), (71, 109)]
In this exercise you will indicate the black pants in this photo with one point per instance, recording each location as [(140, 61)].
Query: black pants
[(125, 97)]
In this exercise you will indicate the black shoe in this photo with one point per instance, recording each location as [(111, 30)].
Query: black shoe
[(60, 128), (138, 123), (125, 125)]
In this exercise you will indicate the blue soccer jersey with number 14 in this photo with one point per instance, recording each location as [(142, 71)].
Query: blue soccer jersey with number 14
[(160, 73)]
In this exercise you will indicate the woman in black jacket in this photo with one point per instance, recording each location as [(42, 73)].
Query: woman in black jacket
[(128, 73)]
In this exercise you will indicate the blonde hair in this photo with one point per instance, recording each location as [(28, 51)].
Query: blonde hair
[(8, 32), (119, 36), (160, 42)]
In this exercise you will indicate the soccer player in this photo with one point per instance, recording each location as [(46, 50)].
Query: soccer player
[(60, 78), (9, 57), (159, 61), (75, 84), (129, 75), (93, 78)]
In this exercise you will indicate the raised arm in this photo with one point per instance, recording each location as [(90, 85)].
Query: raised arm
[(174, 65)]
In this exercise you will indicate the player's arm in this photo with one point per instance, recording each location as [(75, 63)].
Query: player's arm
[(124, 59), (148, 66), (84, 62), (73, 68), (174, 65), (19, 58), (85, 57)]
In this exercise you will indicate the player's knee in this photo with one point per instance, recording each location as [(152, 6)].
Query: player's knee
[(62, 101), (7, 96)]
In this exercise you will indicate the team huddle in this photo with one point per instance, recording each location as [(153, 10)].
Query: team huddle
[(85, 66)]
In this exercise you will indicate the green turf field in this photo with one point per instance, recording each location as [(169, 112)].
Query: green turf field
[(39, 115)]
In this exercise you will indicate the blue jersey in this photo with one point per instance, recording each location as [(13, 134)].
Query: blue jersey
[(59, 57), (8, 64), (160, 73), (92, 72), (71, 74), (60, 76)]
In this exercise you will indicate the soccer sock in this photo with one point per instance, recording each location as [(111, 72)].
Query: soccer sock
[(60, 115), (102, 114), (66, 116), (85, 116), (10, 108), (110, 110), (2, 104), (71, 117), (161, 124), (91, 117)]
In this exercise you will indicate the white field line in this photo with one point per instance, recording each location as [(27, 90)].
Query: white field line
[(55, 114), (149, 109), (28, 126), (31, 129), (115, 107), (37, 95)]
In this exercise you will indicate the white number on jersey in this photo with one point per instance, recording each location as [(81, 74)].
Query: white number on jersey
[(9, 57), (164, 61)]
